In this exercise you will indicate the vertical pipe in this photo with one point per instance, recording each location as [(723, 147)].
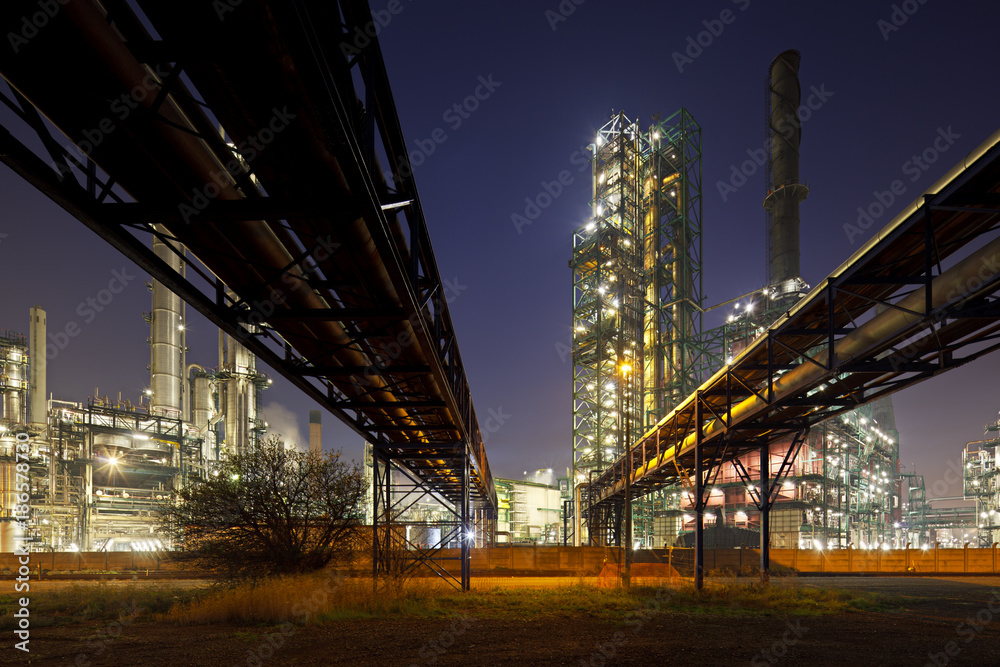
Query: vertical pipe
[(652, 362), (699, 502), (36, 347), (765, 512), (680, 310), (577, 512), (566, 508), (376, 487)]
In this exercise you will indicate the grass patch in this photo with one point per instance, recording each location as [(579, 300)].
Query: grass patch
[(323, 598), (320, 598), (98, 601)]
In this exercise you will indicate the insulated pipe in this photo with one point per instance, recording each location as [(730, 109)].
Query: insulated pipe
[(652, 372), (257, 237), (682, 296), (369, 260), (882, 327), (186, 160)]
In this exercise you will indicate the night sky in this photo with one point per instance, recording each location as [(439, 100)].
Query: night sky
[(882, 94)]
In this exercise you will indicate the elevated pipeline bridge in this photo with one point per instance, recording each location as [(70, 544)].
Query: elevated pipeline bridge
[(262, 138), (917, 300)]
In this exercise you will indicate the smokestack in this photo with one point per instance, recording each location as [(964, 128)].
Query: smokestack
[(315, 433), (36, 382), (785, 192)]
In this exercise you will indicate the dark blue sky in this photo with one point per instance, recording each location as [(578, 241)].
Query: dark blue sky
[(887, 95)]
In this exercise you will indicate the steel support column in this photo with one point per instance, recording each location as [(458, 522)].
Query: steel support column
[(765, 513), (466, 534), (699, 501), (627, 579)]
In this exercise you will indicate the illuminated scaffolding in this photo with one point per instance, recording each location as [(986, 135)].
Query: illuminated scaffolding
[(982, 484), (636, 295)]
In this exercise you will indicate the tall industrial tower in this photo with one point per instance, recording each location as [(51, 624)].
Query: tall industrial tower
[(636, 287), (784, 190)]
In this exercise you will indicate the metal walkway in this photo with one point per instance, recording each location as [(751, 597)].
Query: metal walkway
[(263, 137), (917, 300)]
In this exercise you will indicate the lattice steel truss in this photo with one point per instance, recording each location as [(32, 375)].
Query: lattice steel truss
[(636, 291), (320, 238), (676, 359)]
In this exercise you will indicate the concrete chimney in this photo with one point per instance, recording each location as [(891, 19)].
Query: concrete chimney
[(38, 414), (786, 193), (315, 433)]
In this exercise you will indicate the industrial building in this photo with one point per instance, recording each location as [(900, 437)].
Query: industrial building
[(529, 511), (982, 483), (639, 347), (100, 467)]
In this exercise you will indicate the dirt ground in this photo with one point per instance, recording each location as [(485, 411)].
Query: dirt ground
[(940, 622)]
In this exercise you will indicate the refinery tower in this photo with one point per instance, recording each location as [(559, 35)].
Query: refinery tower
[(100, 469), (639, 347)]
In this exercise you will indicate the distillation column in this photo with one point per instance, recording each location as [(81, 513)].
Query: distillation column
[(13, 360), (239, 370), (167, 340), (204, 415)]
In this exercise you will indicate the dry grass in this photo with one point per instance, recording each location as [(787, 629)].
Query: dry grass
[(319, 598), (90, 601), (309, 598)]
